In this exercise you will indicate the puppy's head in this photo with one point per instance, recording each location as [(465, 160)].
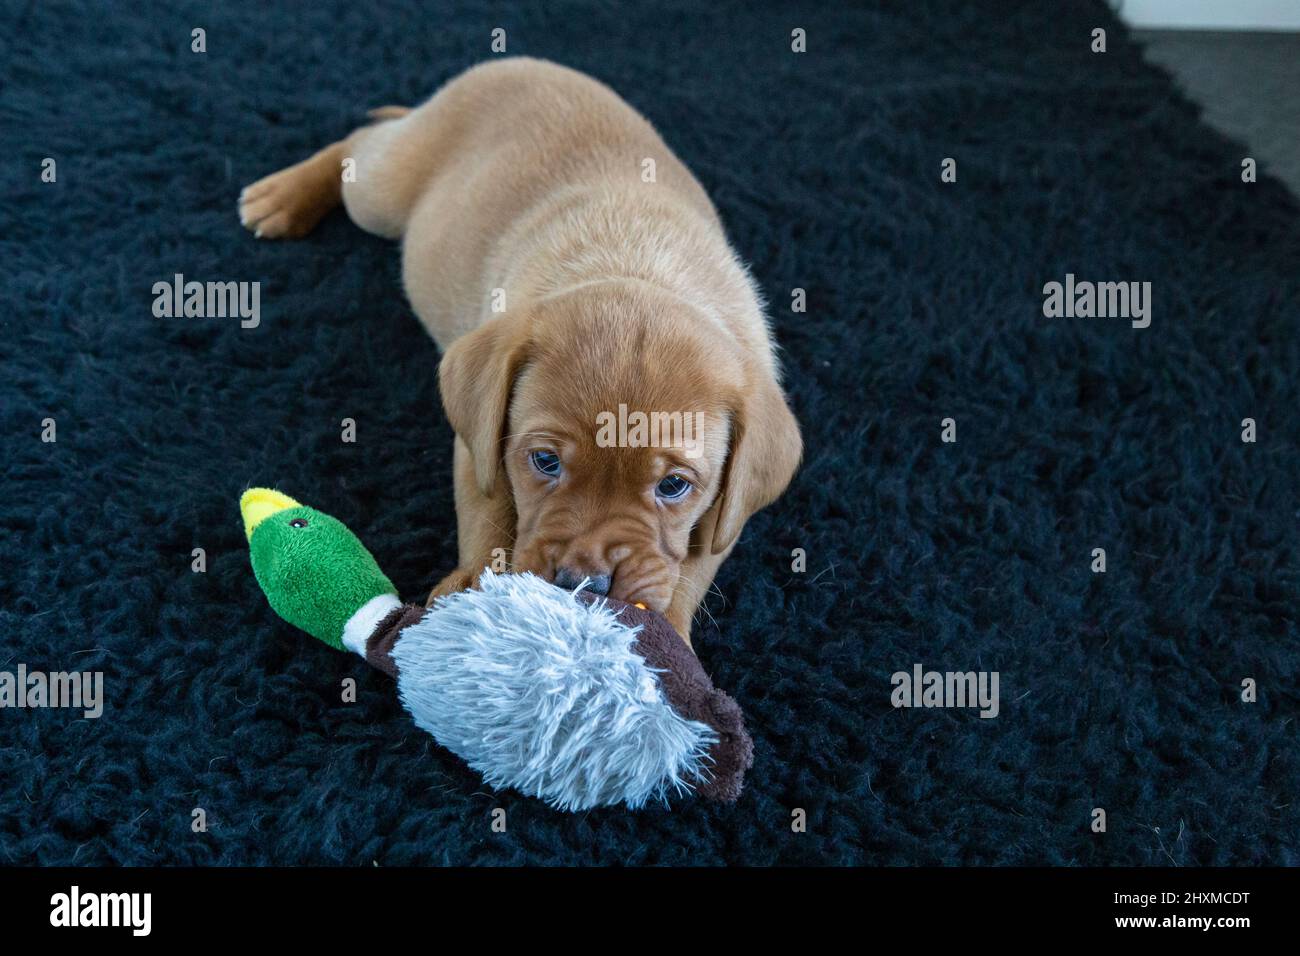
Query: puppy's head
[(629, 428)]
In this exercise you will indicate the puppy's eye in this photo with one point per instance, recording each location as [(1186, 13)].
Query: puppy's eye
[(672, 488), (546, 462)]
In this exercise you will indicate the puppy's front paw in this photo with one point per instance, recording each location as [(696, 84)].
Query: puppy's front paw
[(458, 580)]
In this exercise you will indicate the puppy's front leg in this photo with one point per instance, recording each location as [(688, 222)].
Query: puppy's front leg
[(485, 526), (695, 578)]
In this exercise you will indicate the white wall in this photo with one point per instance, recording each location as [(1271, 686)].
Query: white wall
[(1211, 14)]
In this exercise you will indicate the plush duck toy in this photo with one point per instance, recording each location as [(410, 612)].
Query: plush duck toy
[(577, 701)]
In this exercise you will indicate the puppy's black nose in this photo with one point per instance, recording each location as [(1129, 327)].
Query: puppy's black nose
[(569, 579)]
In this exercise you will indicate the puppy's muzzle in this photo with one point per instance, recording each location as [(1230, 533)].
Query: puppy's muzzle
[(572, 580)]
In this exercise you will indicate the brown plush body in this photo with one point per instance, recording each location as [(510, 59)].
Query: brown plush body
[(691, 693)]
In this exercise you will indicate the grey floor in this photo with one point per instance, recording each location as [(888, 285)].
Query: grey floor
[(1248, 83)]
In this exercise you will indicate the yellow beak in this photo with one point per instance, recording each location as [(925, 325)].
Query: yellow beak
[(258, 504)]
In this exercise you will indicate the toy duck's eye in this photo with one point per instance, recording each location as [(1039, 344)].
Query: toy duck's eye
[(298, 523), (546, 462), (672, 488)]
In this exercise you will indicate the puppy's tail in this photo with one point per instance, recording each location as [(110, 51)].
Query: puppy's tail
[(388, 113)]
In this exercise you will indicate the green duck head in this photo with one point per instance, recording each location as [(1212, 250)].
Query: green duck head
[(314, 571)]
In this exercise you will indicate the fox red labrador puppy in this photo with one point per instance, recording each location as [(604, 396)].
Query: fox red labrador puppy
[(607, 366)]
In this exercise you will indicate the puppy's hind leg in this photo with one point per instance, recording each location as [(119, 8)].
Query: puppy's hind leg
[(289, 204)]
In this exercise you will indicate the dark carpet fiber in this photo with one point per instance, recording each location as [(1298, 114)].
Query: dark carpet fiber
[(1120, 691)]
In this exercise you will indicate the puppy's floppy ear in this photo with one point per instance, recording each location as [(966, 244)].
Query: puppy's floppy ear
[(765, 451), (476, 377)]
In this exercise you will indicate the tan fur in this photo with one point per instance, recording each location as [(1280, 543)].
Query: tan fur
[(524, 179)]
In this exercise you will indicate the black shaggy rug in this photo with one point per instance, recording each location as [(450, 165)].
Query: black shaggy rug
[(1121, 691)]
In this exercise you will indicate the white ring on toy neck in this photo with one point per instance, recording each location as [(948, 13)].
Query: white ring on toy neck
[(364, 621)]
